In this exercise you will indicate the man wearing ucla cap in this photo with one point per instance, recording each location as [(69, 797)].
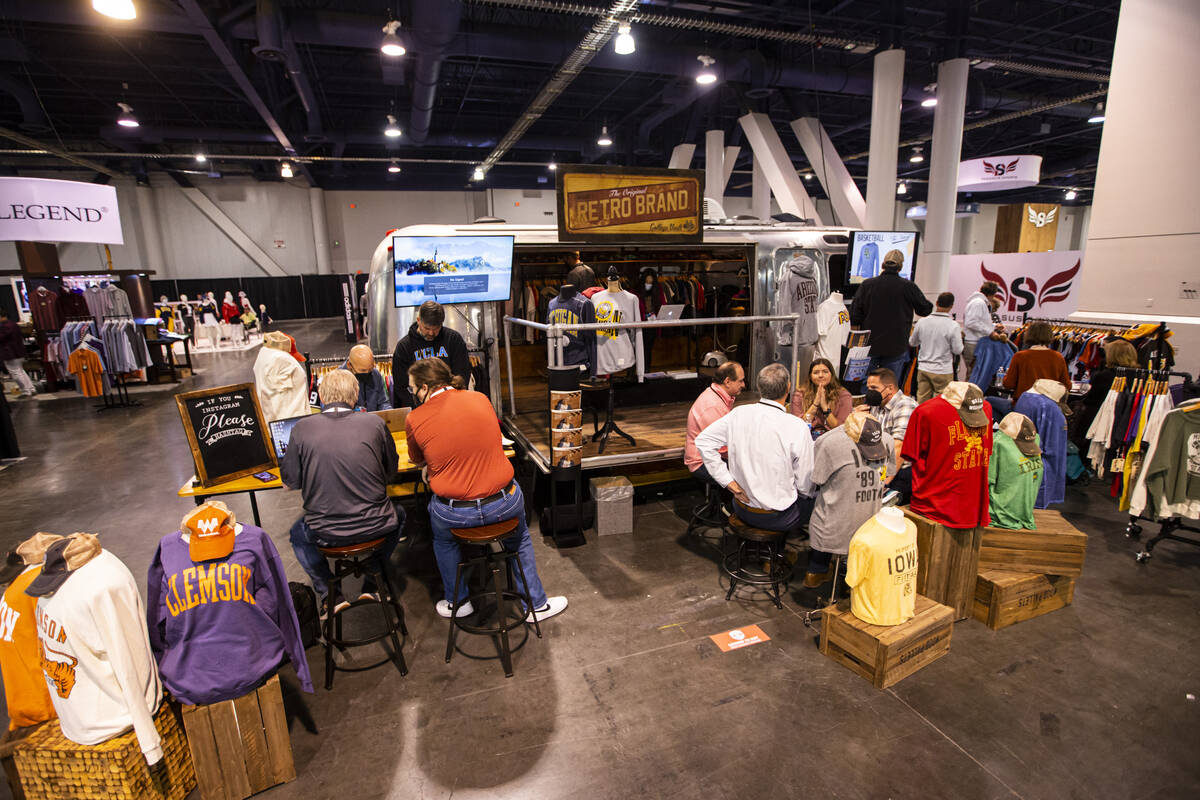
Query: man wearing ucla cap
[(884, 305)]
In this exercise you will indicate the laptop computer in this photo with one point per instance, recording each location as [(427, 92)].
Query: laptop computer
[(394, 418), (671, 312), (281, 433)]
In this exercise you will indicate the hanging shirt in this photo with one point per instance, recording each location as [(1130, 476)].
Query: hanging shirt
[(1014, 480), (617, 348), (797, 293), (44, 308), (1052, 430), (833, 329), (281, 385), (881, 571), (25, 690), (849, 489), (88, 369), (96, 656), (580, 347), (220, 627), (949, 464), (1172, 473)]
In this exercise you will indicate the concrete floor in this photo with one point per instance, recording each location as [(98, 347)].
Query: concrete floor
[(626, 696)]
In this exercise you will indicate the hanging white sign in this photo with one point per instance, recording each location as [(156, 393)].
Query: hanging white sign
[(999, 173), (1034, 284), (47, 210)]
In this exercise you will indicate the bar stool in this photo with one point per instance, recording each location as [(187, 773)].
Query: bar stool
[(709, 513), (756, 546), (358, 560), (493, 558)]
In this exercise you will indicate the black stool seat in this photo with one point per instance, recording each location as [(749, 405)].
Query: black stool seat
[(358, 560), (754, 548), (511, 601)]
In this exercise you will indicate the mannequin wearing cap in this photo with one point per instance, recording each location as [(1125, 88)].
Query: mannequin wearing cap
[(850, 466), (881, 569), (279, 379), (89, 610), (1042, 404), (372, 389), (218, 595), (1015, 473), (948, 443), (25, 691)]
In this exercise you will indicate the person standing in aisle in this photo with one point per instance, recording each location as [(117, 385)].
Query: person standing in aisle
[(12, 353), (427, 338), (454, 434), (885, 305), (938, 340), (978, 322), (713, 403)]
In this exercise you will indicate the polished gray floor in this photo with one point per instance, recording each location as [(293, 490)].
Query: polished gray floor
[(625, 696)]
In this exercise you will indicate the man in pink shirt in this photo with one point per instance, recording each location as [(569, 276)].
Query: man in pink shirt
[(713, 403)]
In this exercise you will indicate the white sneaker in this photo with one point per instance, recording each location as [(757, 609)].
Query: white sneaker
[(465, 610), (553, 606)]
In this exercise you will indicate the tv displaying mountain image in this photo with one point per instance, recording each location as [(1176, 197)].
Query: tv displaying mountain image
[(451, 269)]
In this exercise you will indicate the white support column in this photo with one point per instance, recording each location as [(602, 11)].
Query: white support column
[(316, 201), (681, 156), (760, 193), (886, 97), (934, 272), (714, 165), (848, 204), (153, 255), (236, 235), (731, 155), (777, 166)]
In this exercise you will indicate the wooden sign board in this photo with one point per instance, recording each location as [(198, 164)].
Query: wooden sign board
[(630, 204), (226, 432)]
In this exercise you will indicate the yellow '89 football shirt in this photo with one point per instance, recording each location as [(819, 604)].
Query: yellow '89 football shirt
[(881, 572)]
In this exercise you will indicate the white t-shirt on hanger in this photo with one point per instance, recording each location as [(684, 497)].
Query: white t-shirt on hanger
[(833, 328)]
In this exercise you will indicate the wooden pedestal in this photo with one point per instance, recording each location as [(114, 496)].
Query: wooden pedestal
[(886, 654), (1056, 548), (240, 747), (947, 563), (1006, 598)]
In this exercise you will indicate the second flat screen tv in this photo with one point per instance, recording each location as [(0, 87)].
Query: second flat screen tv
[(451, 269), (868, 248)]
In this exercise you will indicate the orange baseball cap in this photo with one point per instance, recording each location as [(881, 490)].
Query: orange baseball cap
[(211, 531)]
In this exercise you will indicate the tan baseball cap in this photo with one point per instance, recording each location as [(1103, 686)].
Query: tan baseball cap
[(1021, 430), (277, 341), (866, 432), (33, 550), (968, 399), (893, 257), (1048, 387), (62, 559)]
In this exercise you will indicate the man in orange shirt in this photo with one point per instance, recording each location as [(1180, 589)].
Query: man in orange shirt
[(25, 689), (455, 434)]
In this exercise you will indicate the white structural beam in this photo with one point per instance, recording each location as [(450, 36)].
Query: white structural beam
[(316, 200), (760, 193), (235, 234), (731, 155), (153, 255), (714, 165), (681, 156), (777, 167), (886, 97), (848, 204), (934, 272)]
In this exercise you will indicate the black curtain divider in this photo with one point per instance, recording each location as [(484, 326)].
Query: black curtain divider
[(288, 297)]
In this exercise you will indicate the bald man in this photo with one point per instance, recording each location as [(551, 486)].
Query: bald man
[(372, 390)]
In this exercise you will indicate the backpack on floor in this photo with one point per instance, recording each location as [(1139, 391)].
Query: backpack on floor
[(304, 600)]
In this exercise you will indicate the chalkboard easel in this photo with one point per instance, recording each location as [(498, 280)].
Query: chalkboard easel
[(226, 433)]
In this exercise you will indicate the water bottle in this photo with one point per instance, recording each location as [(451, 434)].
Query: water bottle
[(999, 380)]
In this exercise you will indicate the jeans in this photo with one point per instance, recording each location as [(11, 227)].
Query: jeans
[(818, 561), (446, 550), (1001, 406), (305, 542), (790, 520), (894, 363), (16, 368)]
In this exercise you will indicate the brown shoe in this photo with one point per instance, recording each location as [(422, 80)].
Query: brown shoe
[(814, 579)]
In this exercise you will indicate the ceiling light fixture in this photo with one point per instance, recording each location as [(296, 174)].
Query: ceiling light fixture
[(117, 9), (902, 188), (390, 46), (624, 44), (1071, 194), (552, 166), (394, 166), (917, 156), (393, 128), (201, 157), (929, 102), (605, 140), (808, 176), (126, 118), (931, 99), (477, 175), (285, 170), (706, 75), (1097, 114)]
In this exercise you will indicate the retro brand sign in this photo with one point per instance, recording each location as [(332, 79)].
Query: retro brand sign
[(605, 204), (999, 173), (1037, 284), (46, 210)]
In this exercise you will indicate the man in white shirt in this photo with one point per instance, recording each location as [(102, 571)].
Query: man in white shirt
[(977, 321), (770, 456), (938, 340)]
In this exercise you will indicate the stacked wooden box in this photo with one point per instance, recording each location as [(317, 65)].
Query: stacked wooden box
[(947, 563), (1024, 574), (886, 654)]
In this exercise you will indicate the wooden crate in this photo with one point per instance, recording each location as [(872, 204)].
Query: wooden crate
[(55, 768), (9, 742), (1056, 548), (947, 563), (887, 654), (240, 747), (1006, 598)]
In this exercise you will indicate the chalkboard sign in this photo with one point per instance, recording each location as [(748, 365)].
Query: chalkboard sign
[(226, 432)]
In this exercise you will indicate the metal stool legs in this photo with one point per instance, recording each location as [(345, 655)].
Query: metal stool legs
[(362, 566), (738, 567), (709, 513)]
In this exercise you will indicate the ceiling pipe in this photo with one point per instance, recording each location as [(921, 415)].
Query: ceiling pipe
[(275, 43), (435, 27), (32, 118)]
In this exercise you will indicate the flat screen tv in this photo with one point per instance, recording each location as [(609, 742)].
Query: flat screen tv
[(867, 249), (451, 269)]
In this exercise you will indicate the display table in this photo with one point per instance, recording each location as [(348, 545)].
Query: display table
[(886, 654), (947, 563), (1056, 547)]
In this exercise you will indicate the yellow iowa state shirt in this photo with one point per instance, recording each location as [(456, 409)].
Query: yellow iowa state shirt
[(881, 572)]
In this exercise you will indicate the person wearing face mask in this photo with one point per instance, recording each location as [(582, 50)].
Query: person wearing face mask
[(652, 298), (427, 338), (822, 401), (454, 434), (892, 408)]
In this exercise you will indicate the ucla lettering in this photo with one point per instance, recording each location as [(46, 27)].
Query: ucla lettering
[(207, 585), (430, 352)]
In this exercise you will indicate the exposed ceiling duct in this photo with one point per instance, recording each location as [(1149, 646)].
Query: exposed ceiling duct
[(435, 26), (32, 118), (276, 44)]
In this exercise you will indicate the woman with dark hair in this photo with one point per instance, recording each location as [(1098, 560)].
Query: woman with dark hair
[(1036, 362), (821, 400)]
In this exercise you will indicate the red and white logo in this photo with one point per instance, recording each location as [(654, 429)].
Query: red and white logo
[(1031, 284), (1000, 169)]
